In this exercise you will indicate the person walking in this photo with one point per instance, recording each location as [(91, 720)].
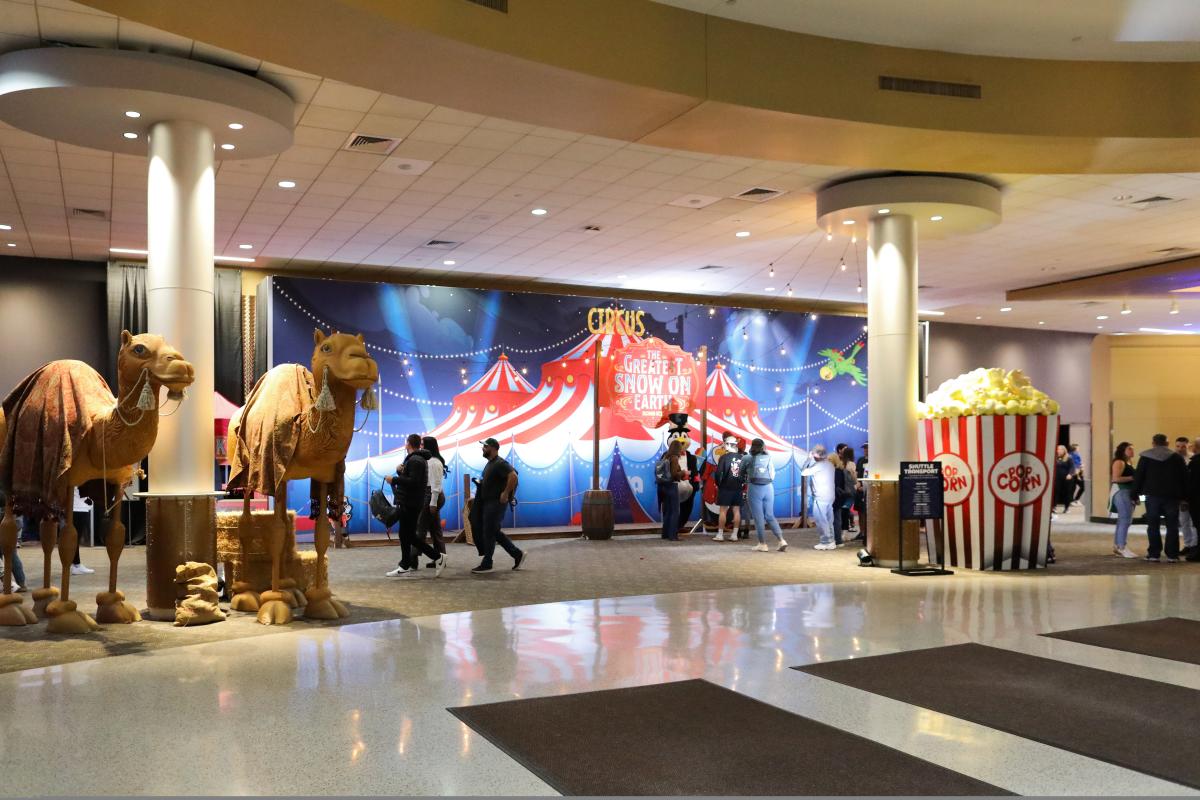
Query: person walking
[(497, 485), (18, 569), (839, 495), (824, 476), (851, 488), (1193, 499), (411, 487), (1064, 478), (1161, 477), (430, 520), (731, 483), (1123, 500), (761, 491), (1187, 531), (667, 475)]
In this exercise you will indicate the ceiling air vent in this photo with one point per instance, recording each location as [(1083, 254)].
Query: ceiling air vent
[(711, 266), (890, 83), (758, 194), (442, 244), (375, 145), (1153, 200), (494, 5), (591, 228), (89, 213)]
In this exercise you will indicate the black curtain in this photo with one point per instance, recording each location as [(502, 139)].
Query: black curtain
[(262, 323), (127, 311)]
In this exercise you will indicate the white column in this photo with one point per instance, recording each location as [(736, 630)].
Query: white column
[(179, 294), (892, 354)]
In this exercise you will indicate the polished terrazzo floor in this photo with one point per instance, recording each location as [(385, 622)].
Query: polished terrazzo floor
[(361, 708)]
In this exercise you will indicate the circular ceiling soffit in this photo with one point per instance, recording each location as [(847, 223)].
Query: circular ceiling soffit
[(80, 95), (943, 205)]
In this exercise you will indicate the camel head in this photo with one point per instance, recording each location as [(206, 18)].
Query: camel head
[(346, 358), (163, 364)]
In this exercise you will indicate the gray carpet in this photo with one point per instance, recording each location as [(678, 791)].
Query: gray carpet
[(696, 738), (1128, 721), (1173, 638)]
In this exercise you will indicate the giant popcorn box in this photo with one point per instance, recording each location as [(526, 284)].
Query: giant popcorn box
[(998, 474)]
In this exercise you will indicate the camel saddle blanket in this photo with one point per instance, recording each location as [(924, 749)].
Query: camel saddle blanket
[(268, 428), (48, 415)]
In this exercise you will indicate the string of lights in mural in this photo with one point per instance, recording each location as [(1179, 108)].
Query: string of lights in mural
[(439, 356)]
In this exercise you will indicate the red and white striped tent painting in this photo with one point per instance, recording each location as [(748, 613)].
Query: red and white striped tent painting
[(500, 390), (732, 412)]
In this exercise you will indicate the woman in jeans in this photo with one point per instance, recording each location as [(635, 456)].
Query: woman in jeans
[(761, 494), (1122, 498), (668, 491)]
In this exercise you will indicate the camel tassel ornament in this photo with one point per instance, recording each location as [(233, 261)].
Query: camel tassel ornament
[(61, 427), (294, 426)]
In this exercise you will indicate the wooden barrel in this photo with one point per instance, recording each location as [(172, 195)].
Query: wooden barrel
[(597, 514)]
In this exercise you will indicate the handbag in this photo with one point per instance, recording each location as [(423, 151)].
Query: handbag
[(382, 508)]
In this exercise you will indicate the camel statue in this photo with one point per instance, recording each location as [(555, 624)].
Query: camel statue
[(61, 427), (298, 424)]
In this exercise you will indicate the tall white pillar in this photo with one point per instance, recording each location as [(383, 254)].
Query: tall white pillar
[(892, 344), (180, 297)]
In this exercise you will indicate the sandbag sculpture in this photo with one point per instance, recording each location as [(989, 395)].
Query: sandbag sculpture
[(298, 424), (62, 426)]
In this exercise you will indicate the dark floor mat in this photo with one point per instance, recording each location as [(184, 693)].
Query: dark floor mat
[(1173, 638), (1128, 721), (697, 738)]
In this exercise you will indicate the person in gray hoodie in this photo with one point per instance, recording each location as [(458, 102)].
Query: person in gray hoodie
[(1161, 477)]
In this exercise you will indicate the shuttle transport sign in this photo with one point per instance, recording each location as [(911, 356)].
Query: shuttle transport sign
[(1019, 479), (921, 490)]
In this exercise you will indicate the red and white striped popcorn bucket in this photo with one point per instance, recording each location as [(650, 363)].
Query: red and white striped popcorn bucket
[(998, 475)]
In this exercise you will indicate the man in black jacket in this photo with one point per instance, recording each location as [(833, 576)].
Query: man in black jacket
[(1161, 477), (410, 487)]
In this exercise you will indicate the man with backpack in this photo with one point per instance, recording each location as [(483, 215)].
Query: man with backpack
[(731, 482), (410, 485), (761, 492), (497, 486)]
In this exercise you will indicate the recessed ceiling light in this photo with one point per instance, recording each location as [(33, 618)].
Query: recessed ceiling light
[(237, 259), (1099, 327), (979, 318), (1006, 309), (245, 247), (1121, 198), (539, 212), (1102, 316), (287, 184), (847, 222), (449, 262), (1187, 324), (133, 114), (1041, 322), (936, 218), (236, 126), (770, 288), (128, 135), (226, 146), (885, 211), (5, 227), (829, 237), (11, 244), (742, 234), (130, 251)]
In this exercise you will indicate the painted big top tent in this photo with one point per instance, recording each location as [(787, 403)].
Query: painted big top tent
[(455, 364)]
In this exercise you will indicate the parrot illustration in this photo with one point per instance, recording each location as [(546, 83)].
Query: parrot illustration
[(840, 364)]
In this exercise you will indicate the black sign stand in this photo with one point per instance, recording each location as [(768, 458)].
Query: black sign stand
[(921, 498)]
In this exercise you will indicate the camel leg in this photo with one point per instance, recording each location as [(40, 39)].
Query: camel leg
[(274, 610), (12, 608), (65, 617), (111, 606), (43, 597), (244, 597), (321, 604)]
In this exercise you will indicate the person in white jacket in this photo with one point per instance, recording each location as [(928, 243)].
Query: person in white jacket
[(823, 487)]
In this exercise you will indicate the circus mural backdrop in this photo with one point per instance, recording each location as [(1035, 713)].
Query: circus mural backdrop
[(464, 365)]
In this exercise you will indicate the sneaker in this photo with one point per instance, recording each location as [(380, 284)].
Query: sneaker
[(760, 548), (1172, 560), (1117, 551), (438, 566), (1152, 558), (782, 546), (826, 546), (483, 567), (1127, 553), (81, 569), (720, 537), (519, 560), (395, 573), (411, 572)]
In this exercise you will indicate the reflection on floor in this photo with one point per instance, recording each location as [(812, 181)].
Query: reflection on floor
[(361, 708)]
